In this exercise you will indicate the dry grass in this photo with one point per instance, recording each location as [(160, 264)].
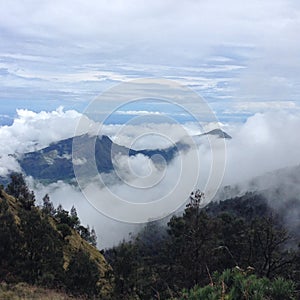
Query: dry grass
[(23, 291)]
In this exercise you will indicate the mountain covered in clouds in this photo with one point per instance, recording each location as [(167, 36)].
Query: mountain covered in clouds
[(55, 161), (218, 133)]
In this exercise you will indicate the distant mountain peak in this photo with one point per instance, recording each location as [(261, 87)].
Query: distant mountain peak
[(55, 161), (217, 132)]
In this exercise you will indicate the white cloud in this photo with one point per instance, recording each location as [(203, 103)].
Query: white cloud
[(109, 231), (205, 44), (31, 131), (263, 106), (138, 112), (265, 142)]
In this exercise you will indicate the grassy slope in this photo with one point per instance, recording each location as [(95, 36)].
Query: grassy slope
[(74, 242), (23, 291)]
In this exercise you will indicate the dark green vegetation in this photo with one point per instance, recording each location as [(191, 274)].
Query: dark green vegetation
[(240, 284), (238, 249), (48, 247)]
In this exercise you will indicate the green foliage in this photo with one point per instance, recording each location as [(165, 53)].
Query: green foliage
[(160, 262), (196, 256), (193, 237), (75, 222), (33, 245), (63, 217), (30, 249), (282, 289), (42, 251), (82, 275), (208, 292), (48, 207), (239, 285), (123, 259), (71, 220), (87, 234), (64, 229), (18, 189), (10, 242), (93, 238)]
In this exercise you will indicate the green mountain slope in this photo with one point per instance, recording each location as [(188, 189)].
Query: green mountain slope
[(36, 248)]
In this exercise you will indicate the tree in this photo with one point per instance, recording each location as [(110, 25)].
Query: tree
[(88, 235), (124, 261), (42, 252), (75, 222), (232, 249), (193, 236), (82, 275), (10, 242), (269, 254), (199, 243), (48, 207), (62, 216), (18, 188), (93, 238)]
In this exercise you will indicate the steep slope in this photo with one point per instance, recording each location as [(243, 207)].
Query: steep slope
[(35, 250)]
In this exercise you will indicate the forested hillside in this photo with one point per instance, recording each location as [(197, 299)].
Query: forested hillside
[(238, 249), (48, 247)]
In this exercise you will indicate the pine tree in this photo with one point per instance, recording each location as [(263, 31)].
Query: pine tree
[(48, 207), (75, 222), (93, 238), (84, 232), (18, 188), (62, 216)]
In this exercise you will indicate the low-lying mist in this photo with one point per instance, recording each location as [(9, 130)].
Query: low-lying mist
[(264, 143)]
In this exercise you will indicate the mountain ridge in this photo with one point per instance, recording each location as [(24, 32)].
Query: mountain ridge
[(55, 163)]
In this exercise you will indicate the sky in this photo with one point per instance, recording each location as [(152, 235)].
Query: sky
[(242, 58)]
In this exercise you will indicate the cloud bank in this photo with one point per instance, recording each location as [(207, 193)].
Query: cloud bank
[(31, 131), (265, 142)]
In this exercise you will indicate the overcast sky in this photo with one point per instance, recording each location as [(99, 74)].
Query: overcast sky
[(241, 56)]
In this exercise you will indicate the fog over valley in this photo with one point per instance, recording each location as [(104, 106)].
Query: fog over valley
[(258, 146)]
